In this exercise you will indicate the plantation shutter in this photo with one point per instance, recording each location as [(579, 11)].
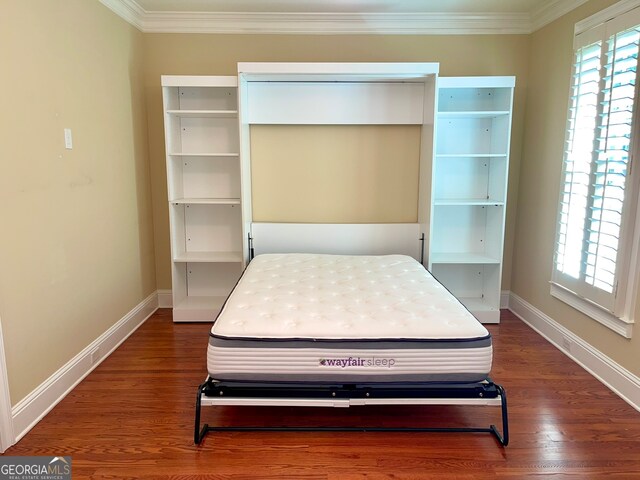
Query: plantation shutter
[(590, 247)]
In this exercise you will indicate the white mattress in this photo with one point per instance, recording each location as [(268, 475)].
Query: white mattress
[(332, 318)]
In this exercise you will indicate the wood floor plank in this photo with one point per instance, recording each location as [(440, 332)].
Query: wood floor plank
[(133, 418)]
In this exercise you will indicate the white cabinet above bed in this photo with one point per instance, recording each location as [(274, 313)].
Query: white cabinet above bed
[(204, 192), (469, 189)]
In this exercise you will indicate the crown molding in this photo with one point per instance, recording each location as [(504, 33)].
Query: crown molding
[(551, 10), (129, 10), (340, 23), (333, 23)]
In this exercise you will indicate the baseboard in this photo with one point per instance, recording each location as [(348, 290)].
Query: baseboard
[(618, 379), (165, 299), (38, 403), (504, 298)]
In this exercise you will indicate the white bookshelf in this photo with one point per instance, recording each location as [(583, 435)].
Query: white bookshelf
[(469, 189), (204, 190), (204, 113)]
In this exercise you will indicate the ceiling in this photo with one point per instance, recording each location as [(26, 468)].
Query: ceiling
[(342, 16)]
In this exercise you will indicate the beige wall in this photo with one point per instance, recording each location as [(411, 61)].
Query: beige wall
[(335, 173), (196, 54), (548, 88), (76, 249)]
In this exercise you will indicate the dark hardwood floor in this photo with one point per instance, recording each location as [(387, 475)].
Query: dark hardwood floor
[(133, 418)]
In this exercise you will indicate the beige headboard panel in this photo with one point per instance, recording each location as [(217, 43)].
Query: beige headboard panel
[(335, 173)]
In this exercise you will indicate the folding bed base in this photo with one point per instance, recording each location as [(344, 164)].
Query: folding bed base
[(263, 394)]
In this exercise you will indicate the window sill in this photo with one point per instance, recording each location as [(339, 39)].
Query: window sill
[(606, 318)]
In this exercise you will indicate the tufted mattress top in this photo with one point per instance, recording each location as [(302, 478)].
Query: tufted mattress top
[(304, 315)]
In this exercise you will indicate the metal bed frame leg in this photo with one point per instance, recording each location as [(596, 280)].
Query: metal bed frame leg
[(199, 433), (504, 437)]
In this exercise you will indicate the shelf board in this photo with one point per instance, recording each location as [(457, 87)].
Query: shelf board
[(208, 257), (197, 309), (201, 302), (218, 81), (206, 201), (203, 113), (461, 258), (473, 114), (477, 304), (204, 154), (481, 309), (472, 155), (468, 201)]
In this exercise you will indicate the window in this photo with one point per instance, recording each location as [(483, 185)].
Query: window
[(595, 252)]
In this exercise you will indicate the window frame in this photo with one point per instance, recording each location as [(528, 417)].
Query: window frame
[(619, 316)]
